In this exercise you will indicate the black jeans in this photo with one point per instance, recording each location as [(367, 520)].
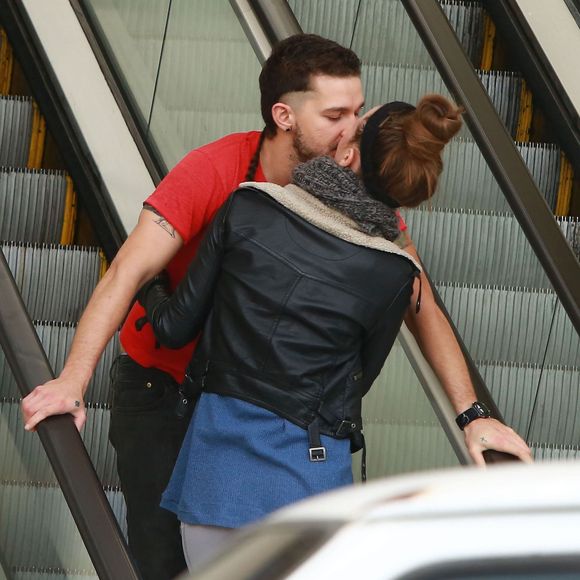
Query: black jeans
[(147, 433)]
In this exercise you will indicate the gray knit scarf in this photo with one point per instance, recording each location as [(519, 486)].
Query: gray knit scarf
[(342, 190)]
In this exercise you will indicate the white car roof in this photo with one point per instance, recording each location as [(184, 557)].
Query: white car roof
[(511, 487)]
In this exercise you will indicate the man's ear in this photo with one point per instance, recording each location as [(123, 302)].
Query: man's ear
[(283, 116)]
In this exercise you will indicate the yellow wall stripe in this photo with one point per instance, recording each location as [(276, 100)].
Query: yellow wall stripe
[(104, 264), (6, 63), (488, 42), (526, 112), (36, 150), (69, 214), (564, 187)]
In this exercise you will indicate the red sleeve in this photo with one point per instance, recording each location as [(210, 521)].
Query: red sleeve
[(189, 194), (402, 224)]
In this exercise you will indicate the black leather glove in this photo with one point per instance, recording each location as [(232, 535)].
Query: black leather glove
[(153, 293)]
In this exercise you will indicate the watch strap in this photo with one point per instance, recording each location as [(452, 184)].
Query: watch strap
[(477, 411)]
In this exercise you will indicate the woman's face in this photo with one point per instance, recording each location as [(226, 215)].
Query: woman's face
[(348, 148)]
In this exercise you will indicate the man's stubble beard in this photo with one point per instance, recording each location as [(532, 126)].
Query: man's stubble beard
[(303, 151)]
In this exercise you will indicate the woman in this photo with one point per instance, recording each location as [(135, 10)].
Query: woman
[(299, 293)]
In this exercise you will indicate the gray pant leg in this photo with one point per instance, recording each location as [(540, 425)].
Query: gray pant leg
[(201, 543)]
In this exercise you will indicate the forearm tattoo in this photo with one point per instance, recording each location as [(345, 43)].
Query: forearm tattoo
[(161, 221)]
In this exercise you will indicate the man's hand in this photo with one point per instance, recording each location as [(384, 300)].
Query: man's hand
[(146, 251), (483, 434), (56, 397)]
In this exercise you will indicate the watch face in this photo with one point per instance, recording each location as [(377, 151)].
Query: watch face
[(481, 409)]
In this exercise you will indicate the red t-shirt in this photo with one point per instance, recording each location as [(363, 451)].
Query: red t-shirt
[(188, 198)]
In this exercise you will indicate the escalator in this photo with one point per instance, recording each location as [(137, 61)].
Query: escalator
[(189, 75), (56, 276)]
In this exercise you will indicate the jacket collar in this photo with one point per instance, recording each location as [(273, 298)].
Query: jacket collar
[(309, 208)]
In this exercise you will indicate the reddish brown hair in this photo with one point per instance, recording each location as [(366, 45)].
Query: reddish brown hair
[(407, 151)]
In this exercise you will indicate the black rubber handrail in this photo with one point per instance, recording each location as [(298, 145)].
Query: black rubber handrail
[(498, 148), (574, 7), (66, 452)]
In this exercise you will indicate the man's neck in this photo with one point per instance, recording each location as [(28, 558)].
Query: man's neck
[(278, 159)]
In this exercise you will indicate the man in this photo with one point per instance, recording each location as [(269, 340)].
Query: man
[(310, 95)]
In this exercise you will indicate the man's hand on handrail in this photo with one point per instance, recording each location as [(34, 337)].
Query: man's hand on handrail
[(490, 434), (55, 397)]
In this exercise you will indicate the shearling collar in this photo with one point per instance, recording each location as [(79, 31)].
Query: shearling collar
[(305, 205)]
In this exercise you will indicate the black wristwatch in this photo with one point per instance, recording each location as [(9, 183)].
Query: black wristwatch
[(477, 411)]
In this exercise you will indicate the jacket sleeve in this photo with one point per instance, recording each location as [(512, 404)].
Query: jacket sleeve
[(179, 317)]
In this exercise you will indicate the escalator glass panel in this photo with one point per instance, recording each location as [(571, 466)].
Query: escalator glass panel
[(132, 32), (208, 79)]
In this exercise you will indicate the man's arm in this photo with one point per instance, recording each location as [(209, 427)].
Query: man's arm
[(178, 318), (146, 251), (439, 346)]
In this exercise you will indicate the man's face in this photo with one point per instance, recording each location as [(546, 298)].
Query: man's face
[(324, 114)]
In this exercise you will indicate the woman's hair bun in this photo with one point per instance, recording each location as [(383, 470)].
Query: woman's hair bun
[(439, 116)]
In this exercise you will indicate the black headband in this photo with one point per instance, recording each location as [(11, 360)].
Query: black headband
[(367, 141)]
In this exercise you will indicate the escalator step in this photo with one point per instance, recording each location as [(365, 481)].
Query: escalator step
[(467, 182), (56, 282), (512, 324), (56, 339), (478, 248), (389, 35), (403, 433), (401, 82), (31, 513), (16, 115), (549, 394), (570, 227), (32, 204), (545, 452), (24, 459), (39, 573)]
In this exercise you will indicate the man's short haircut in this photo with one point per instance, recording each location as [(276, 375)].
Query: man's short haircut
[(292, 64)]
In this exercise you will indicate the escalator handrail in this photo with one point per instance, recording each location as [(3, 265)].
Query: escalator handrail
[(498, 148), (574, 7), (64, 447)]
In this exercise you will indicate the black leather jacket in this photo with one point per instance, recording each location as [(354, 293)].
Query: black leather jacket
[(295, 319)]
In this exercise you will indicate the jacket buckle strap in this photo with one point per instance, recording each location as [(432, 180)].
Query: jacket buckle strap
[(316, 451), (346, 427)]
